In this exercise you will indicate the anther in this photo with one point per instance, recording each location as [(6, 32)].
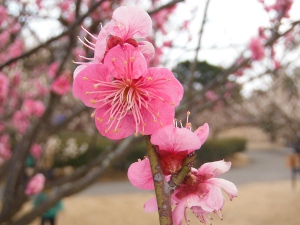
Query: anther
[(149, 78), (100, 119), (172, 103), (113, 59), (92, 101), (87, 92), (136, 134), (84, 78), (92, 115), (96, 86), (125, 63), (131, 59)]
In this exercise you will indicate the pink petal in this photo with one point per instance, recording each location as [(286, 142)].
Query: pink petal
[(166, 115), (151, 205), (140, 175), (178, 213), (78, 69), (214, 198), (147, 49), (226, 185), (195, 200), (170, 138), (202, 133), (131, 21), (83, 85), (216, 168), (100, 46), (124, 126), (164, 85), (125, 62)]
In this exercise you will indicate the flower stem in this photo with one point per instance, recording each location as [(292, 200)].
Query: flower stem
[(162, 188)]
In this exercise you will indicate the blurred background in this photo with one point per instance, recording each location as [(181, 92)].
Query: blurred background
[(238, 62)]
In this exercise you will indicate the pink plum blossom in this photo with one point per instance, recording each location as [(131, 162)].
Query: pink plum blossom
[(35, 185), (61, 85), (33, 108), (257, 49), (128, 24), (36, 151), (20, 121), (201, 191), (53, 69), (128, 97), (173, 144)]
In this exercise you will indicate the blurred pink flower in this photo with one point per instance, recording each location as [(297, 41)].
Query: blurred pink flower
[(3, 14), (211, 95), (128, 97), (201, 191), (16, 48), (36, 151), (61, 85), (53, 69), (20, 121), (33, 107), (257, 49), (35, 185)]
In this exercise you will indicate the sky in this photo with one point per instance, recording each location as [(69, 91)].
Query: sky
[(230, 26)]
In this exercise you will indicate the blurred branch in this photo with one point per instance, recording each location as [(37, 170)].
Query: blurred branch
[(68, 189), (193, 65), (168, 5), (69, 30)]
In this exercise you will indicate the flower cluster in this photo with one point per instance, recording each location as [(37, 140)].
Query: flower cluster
[(127, 96), (130, 98)]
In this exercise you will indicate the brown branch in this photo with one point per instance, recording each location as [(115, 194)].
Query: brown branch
[(162, 188), (68, 189), (201, 31), (66, 32), (168, 5)]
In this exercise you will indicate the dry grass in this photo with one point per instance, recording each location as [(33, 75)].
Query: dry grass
[(257, 204)]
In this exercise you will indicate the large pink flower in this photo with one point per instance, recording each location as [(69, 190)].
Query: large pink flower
[(174, 144), (128, 97), (202, 192), (35, 185)]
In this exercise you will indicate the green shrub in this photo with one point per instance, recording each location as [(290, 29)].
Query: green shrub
[(218, 149)]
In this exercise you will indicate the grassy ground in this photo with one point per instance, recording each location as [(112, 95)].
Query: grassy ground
[(257, 204)]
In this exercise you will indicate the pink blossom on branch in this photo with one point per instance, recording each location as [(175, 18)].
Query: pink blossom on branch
[(36, 151), (128, 97), (201, 191), (173, 144), (128, 24), (33, 107), (35, 185), (20, 121), (257, 49), (62, 84)]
